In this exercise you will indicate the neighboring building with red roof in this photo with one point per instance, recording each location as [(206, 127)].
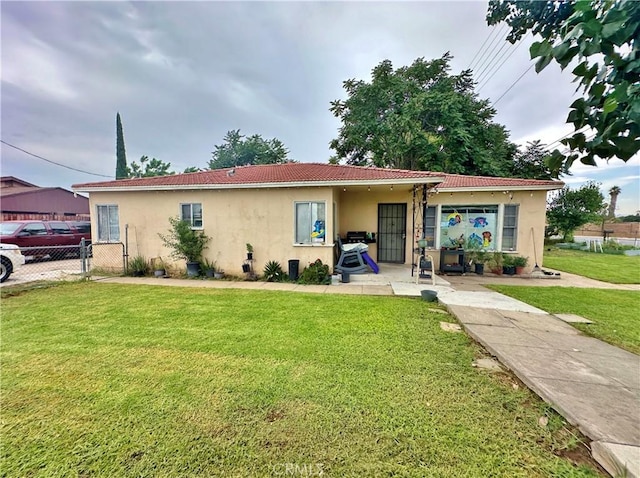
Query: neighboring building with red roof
[(20, 200), (297, 210)]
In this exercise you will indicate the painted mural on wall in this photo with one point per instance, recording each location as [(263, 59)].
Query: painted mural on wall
[(469, 227)]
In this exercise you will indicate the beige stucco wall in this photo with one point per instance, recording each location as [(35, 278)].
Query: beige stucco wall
[(265, 218), (262, 217), (359, 212)]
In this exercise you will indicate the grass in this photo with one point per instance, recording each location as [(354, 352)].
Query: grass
[(614, 312), (119, 380), (617, 269)]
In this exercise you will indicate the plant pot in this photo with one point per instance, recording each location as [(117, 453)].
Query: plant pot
[(209, 272), (159, 273), (497, 271), (138, 273), (249, 256), (246, 267), (428, 295), (509, 270), (519, 270), (479, 269), (193, 269), (218, 275)]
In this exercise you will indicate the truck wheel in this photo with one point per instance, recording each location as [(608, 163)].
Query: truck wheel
[(6, 268)]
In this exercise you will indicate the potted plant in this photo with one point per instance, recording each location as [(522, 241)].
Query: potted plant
[(508, 266), (249, 252), (478, 257), (159, 269), (186, 243), (138, 266), (520, 262), (495, 263), (218, 274), (208, 267)]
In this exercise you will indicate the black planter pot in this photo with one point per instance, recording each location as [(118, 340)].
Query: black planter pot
[(479, 269), (209, 272), (509, 270), (193, 269), (249, 256), (246, 268)]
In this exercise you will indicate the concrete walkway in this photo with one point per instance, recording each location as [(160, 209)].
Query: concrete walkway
[(595, 386)]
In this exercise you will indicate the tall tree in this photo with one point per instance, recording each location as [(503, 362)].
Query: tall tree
[(530, 163), (148, 168), (614, 192), (423, 118), (238, 150), (571, 208), (602, 35), (121, 155)]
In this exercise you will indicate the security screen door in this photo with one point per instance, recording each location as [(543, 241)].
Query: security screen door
[(392, 227)]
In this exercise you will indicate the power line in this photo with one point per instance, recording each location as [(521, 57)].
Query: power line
[(513, 84), (53, 162), (493, 45), (513, 50), (493, 30), (489, 66)]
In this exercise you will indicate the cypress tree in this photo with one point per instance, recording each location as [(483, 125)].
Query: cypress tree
[(121, 155)]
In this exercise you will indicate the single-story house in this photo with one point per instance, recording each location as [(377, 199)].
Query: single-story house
[(297, 211), (21, 200)]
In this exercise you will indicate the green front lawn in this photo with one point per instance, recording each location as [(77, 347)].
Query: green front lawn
[(614, 312), (119, 380), (617, 269)]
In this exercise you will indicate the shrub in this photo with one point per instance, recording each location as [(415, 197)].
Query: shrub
[(315, 273), (273, 272), (185, 242), (138, 266)]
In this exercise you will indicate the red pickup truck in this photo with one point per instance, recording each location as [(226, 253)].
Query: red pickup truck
[(36, 238)]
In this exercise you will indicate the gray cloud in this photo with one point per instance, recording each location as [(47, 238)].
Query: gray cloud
[(183, 73)]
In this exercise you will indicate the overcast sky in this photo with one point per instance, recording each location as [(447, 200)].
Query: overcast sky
[(182, 74)]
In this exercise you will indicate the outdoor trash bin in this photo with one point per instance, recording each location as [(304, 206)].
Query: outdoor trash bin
[(294, 265)]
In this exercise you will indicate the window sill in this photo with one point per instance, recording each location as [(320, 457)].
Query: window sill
[(310, 244)]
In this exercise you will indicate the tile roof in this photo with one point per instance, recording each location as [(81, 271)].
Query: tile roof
[(458, 181), (269, 173), (282, 175)]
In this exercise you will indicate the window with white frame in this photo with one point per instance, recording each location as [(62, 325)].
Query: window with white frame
[(430, 224), (310, 222), (469, 226), (192, 213), (476, 226), (108, 223), (510, 227)]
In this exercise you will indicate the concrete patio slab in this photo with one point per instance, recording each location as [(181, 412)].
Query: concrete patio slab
[(490, 336), (582, 343), (543, 322), (548, 363), (573, 319), (602, 412), (479, 316), (486, 300), (624, 369), (618, 460)]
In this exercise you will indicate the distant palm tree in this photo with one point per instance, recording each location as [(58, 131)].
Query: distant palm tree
[(614, 192)]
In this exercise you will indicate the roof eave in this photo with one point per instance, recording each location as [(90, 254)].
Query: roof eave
[(294, 184), (541, 187)]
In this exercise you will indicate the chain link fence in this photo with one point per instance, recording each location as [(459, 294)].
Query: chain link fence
[(44, 263), (52, 263)]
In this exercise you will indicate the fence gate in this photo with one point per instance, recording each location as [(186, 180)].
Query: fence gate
[(100, 257)]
